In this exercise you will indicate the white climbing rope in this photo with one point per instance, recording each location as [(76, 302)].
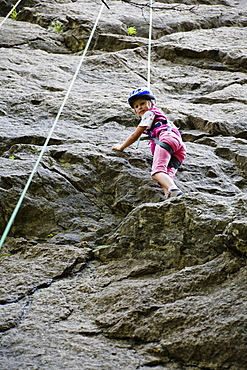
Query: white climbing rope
[(10, 12), (12, 218), (150, 43), (149, 54)]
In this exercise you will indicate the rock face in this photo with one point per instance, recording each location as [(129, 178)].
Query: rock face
[(98, 270)]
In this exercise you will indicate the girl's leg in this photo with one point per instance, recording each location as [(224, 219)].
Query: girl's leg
[(168, 184), (165, 181), (160, 170)]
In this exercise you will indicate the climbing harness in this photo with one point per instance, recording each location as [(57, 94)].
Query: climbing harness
[(174, 162), (12, 218), (160, 143), (163, 124), (10, 12)]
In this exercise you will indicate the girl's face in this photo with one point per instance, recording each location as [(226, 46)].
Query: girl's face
[(141, 106)]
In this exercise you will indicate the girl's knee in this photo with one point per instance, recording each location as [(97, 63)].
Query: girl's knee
[(156, 174)]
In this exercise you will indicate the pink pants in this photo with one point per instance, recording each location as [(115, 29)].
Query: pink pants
[(161, 156)]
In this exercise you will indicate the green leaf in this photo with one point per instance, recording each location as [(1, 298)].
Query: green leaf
[(131, 31)]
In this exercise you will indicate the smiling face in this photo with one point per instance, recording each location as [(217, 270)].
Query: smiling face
[(141, 106)]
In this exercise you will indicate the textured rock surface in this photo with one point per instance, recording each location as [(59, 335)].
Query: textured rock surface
[(98, 271)]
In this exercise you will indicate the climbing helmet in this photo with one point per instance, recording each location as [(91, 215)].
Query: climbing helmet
[(140, 93)]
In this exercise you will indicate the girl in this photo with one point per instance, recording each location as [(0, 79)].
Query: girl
[(166, 143)]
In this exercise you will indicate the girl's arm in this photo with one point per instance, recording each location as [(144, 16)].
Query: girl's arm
[(131, 139)]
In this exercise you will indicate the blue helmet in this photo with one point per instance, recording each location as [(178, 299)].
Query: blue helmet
[(140, 93)]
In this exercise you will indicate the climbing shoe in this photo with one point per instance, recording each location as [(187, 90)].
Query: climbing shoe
[(174, 193)]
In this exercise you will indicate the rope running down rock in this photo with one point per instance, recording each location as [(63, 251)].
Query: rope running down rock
[(12, 218), (9, 13)]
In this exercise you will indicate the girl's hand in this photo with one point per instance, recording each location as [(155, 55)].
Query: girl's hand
[(117, 147), (131, 139)]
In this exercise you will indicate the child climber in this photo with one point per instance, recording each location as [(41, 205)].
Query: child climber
[(166, 143)]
